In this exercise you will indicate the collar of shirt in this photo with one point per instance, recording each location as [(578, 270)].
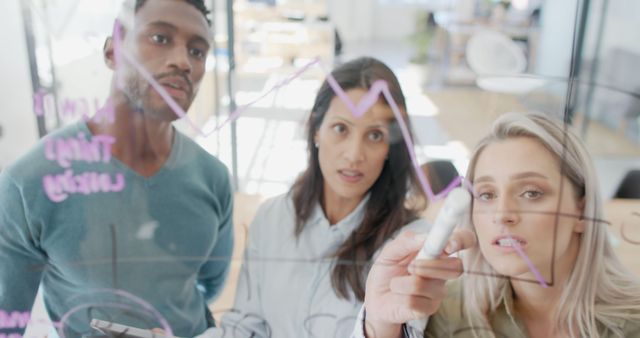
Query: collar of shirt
[(507, 308), (344, 227)]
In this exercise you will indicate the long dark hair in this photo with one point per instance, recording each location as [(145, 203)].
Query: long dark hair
[(386, 210)]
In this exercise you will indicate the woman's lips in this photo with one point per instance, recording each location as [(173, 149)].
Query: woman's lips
[(350, 176), (507, 243)]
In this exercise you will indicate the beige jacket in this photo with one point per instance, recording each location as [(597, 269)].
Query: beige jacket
[(450, 322)]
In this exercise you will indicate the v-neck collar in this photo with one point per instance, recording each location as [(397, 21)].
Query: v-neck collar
[(168, 164)]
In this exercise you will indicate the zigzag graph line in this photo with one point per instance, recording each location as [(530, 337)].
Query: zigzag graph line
[(378, 88)]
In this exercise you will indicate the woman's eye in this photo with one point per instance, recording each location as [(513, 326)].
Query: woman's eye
[(340, 128), (485, 196), (159, 39), (376, 136), (532, 194)]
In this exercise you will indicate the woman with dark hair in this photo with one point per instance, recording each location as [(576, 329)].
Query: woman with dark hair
[(324, 180), (309, 250)]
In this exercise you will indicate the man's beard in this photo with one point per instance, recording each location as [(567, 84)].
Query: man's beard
[(138, 93), (134, 89)]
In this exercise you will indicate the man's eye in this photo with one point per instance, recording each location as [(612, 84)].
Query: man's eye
[(159, 39), (198, 53)]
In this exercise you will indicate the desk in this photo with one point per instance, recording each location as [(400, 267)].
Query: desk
[(624, 216), (516, 84)]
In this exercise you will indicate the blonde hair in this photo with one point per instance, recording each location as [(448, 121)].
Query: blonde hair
[(600, 290)]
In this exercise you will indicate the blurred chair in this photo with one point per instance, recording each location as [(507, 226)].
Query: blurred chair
[(493, 53), (614, 101), (439, 173), (630, 186), (499, 64)]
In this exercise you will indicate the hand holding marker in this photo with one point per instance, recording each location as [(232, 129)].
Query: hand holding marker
[(455, 206)]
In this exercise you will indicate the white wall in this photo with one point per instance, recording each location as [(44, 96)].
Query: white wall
[(556, 38), (367, 20), (395, 21), (17, 118), (622, 25), (556, 34), (353, 18)]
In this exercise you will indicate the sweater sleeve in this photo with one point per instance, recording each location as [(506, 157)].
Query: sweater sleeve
[(213, 274), (21, 260), (246, 318)]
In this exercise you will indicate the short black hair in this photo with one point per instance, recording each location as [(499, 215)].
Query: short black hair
[(198, 4)]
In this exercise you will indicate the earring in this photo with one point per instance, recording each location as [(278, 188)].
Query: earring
[(316, 144)]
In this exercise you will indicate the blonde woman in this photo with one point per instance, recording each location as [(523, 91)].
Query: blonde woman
[(535, 195)]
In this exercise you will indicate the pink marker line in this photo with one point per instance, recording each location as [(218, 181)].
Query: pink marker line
[(377, 88), (368, 101), (359, 109), (529, 263), (162, 321), (161, 91), (117, 51), (239, 111), (122, 53), (381, 87), (424, 184)]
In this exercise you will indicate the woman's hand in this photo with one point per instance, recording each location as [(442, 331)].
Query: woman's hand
[(400, 289), (158, 331)]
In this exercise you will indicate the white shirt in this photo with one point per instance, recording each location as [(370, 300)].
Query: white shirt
[(358, 330), (284, 289)]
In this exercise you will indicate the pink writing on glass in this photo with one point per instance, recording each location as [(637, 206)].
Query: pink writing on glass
[(59, 186), (10, 335), (14, 319), (65, 150), (70, 109)]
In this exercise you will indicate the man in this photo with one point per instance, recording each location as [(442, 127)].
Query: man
[(123, 219)]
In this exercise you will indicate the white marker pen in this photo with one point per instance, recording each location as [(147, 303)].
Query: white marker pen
[(456, 205)]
